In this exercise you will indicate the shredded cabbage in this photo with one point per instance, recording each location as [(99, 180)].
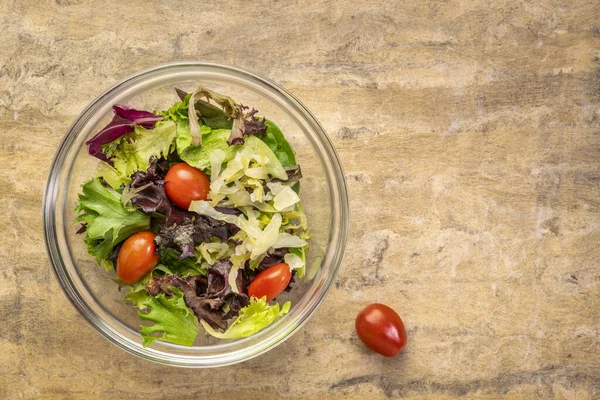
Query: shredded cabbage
[(268, 237), (258, 241), (212, 252), (275, 187), (285, 239), (232, 278), (217, 157), (204, 208), (293, 261), (285, 198)]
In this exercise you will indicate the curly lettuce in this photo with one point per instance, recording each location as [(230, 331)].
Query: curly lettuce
[(113, 177), (173, 320), (132, 153), (124, 121), (107, 221)]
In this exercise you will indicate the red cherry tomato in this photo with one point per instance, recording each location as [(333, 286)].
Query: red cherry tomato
[(270, 282), (184, 183), (136, 257), (381, 329)]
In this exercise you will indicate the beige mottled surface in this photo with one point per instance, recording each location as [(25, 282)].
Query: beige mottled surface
[(470, 136)]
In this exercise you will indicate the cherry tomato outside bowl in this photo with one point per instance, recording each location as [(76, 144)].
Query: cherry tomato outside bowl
[(381, 329)]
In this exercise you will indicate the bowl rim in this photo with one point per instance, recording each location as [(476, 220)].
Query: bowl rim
[(56, 257)]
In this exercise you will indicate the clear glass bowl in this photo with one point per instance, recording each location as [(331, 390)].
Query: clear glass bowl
[(323, 192)]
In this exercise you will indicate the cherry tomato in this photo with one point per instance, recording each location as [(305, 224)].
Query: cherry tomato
[(381, 329), (136, 257), (184, 183), (270, 282)]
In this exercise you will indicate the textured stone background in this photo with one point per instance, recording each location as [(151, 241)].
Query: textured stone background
[(470, 136)]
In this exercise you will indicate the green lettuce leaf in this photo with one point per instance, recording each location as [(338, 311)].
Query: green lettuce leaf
[(113, 177), (183, 140), (173, 320), (183, 267), (252, 318), (178, 111), (154, 142), (132, 152), (107, 221), (138, 295), (279, 145), (199, 156)]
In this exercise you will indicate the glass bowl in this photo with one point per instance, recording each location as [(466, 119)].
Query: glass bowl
[(323, 191)]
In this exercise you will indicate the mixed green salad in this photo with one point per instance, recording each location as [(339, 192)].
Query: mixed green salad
[(196, 209)]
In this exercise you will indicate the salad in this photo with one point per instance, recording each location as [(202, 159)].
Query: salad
[(196, 210)]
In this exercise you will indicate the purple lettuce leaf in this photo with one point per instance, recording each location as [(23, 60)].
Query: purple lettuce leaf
[(138, 117), (122, 123), (206, 297), (218, 280), (194, 290), (115, 129), (276, 257), (197, 229), (183, 230), (245, 123)]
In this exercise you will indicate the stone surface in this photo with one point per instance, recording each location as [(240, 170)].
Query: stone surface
[(470, 136)]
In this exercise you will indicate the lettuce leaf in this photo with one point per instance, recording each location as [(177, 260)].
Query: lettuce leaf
[(154, 142), (279, 145), (253, 318), (113, 177), (210, 115), (138, 117), (244, 124), (185, 236), (133, 152), (107, 221), (183, 138), (123, 122), (178, 111), (210, 298), (183, 267), (230, 109), (236, 117), (138, 295), (173, 320), (199, 156)]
